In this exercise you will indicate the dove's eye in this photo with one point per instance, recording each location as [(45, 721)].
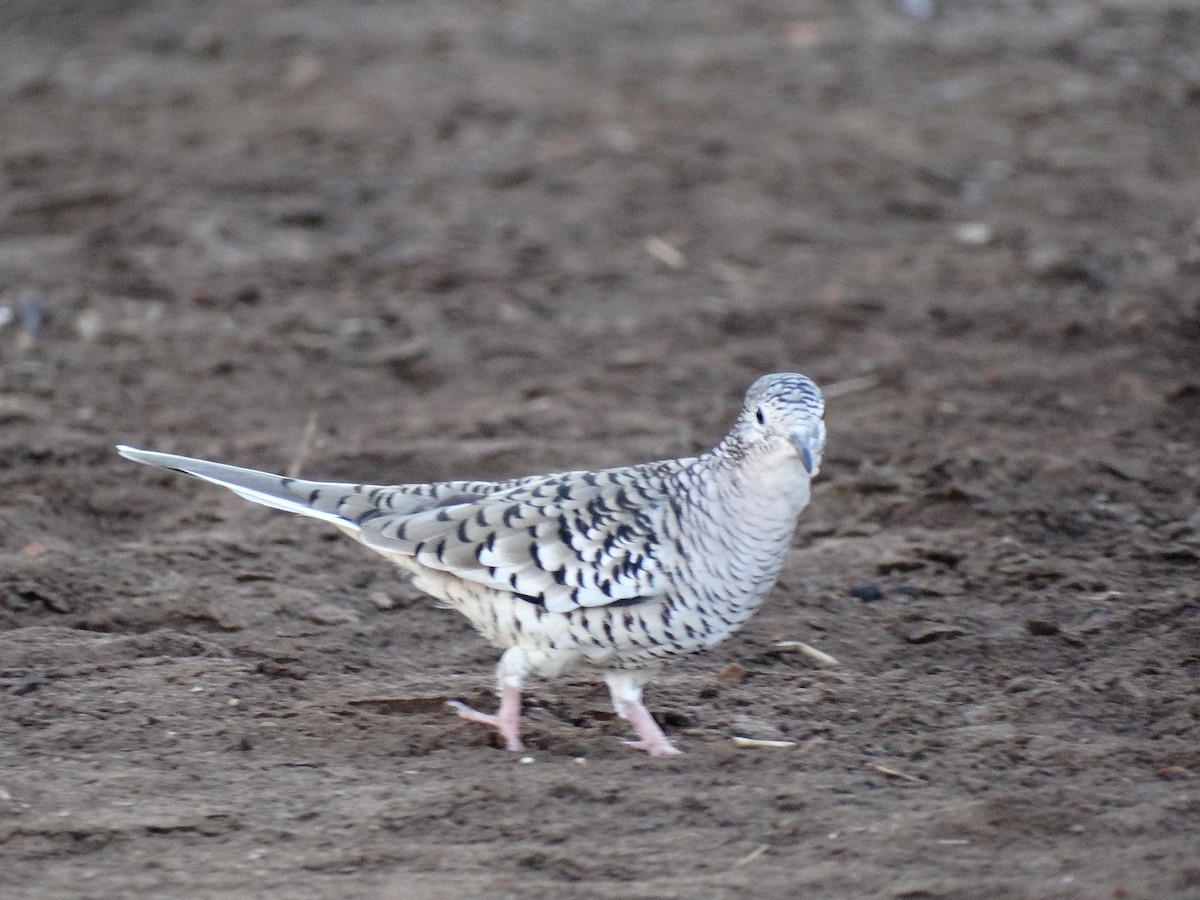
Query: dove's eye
[(762, 419)]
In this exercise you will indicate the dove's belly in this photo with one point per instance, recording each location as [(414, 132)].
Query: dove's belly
[(618, 636)]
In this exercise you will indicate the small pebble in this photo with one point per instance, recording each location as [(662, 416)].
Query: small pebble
[(331, 614), (867, 593), (669, 256), (1041, 628), (973, 234), (734, 673), (382, 600)]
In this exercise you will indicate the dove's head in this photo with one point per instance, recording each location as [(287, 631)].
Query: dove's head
[(782, 416)]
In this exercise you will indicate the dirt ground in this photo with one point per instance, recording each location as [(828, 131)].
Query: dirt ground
[(406, 241)]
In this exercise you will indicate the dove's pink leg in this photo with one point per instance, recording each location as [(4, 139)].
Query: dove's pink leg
[(507, 720), (626, 690)]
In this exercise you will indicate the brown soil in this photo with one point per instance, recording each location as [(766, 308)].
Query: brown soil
[(466, 239)]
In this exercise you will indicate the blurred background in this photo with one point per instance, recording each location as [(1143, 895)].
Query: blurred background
[(402, 241)]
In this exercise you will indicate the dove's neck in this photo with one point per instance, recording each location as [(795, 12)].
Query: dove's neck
[(771, 486), (745, 511)]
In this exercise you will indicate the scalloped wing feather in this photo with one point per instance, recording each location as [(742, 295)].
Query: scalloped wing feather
[(567, 541)]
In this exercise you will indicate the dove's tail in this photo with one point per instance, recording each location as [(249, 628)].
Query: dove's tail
[(341, 504)]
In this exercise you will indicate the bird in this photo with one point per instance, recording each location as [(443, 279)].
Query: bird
[(612, 571)]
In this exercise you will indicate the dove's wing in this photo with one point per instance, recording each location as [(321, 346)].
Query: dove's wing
[(564, 541)]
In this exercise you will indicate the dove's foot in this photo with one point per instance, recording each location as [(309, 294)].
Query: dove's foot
[(656, 748), (653, 741), (507, 719), (626, 690)]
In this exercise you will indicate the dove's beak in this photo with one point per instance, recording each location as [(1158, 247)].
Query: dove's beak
[(809, 446)]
